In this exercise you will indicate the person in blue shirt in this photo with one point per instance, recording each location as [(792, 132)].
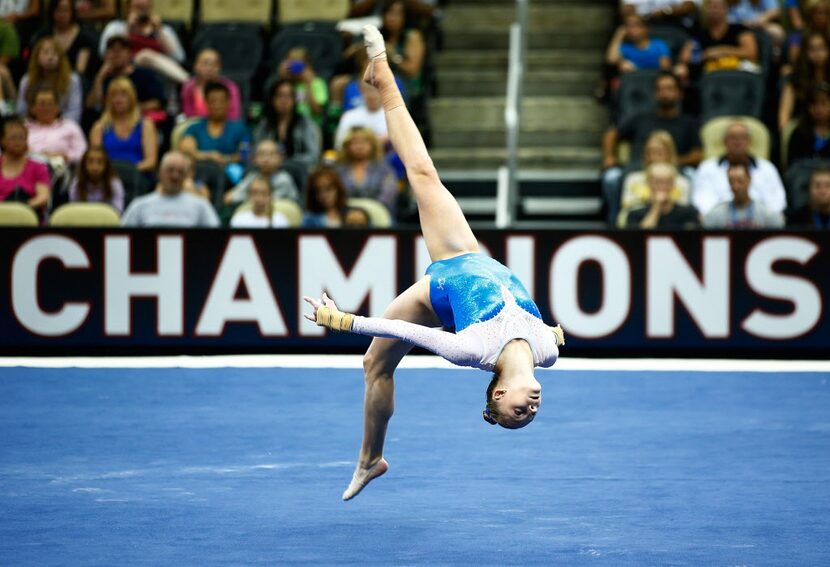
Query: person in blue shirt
[(215, 138), (632, 48)]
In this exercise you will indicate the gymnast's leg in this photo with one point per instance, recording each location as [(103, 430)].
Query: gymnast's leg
[(379, 366), (445, 229)]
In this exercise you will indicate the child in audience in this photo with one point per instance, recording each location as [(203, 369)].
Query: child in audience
[(96, 182), (261, 214), (268, 158)]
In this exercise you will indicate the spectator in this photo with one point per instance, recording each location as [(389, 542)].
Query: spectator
[(724, 45), (121, 130), (154, 45), (171, 206), (191, 184), (405, 47), (672, 12), (96, 181), (363, 171), (759, 14), (663, 213), (811, 70), (816, 214), (117, 63), (49, 66), (632, 49), (356, 217), (659, 148), (60, 140), (299, 135), (21, 178), (78, 44), (667, 116), (711, 185), (311, 92), (23, 15), (207, 68), (215, 138), (369, 115), (741, 211), (816, 20), (9, 51), (325, 199), (96, 10), (811, 138), (268, 158), (261, 214)]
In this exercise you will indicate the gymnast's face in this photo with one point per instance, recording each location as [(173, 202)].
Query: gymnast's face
[(518, 404)]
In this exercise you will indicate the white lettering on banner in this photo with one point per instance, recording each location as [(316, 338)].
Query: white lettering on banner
[(520, 253), (762, 278), (669, 275), (121, 285), (616, 286), (375, 274), (25, 301), (241, 263)]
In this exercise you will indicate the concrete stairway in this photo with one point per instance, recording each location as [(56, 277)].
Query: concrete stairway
[(561, 122)]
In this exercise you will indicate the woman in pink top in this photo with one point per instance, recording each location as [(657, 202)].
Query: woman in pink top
[(50, 135), (21, 178), (207, 69)]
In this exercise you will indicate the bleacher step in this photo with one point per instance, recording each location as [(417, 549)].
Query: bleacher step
[(560, 159), (487, 83), (537, 60)]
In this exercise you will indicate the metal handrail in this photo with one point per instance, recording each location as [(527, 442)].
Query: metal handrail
[(508, 187)]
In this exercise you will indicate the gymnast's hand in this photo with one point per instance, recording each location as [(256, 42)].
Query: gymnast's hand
[(326, 314)]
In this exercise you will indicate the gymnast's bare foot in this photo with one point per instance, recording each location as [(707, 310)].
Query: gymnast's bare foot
[(362, 477)]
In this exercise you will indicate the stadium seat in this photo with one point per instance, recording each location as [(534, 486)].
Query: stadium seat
[(239, 45), (135, 184), (289, 208), (797, 181), (298, 172), (636, 94), (731, 93), (765, 48), (17, 214), (178, 131), (787, 133), (293, 11), (85, 214), (674, 37), (213, 175), (379, 216), (713, 131), (321, 39), (175, 10), (226, 11)]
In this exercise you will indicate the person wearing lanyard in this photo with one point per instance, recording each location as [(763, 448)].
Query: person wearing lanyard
[(741, 211)]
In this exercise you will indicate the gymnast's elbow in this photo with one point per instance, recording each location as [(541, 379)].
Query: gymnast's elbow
[(422, 170)]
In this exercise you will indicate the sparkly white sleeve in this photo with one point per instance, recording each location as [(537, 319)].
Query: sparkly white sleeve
[(463, 351)]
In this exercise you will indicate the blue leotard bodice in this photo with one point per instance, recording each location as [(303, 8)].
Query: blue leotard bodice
[(467, 289)]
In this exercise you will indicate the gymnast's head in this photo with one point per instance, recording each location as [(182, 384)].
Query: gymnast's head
[(512, 400)]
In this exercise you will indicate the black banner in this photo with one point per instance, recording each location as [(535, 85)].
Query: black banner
[(88, 291)]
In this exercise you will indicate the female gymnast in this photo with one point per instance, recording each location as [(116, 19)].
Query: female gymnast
[(497, 326)]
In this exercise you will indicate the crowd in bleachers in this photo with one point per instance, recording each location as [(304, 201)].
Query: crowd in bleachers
[(720, 114), (205, 113)]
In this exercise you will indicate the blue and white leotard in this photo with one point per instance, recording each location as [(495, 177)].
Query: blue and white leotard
[(486, 305)]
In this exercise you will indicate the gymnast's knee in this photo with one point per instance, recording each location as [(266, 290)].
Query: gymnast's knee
[(376, 366)]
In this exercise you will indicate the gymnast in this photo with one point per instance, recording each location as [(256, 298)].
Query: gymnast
[(497, 326)]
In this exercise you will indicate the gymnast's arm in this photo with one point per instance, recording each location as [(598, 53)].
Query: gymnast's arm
[(463, 351)]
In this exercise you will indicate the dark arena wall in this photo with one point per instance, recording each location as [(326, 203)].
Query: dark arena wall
[(85, 291)]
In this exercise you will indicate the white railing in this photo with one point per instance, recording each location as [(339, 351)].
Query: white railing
[(508, 178)]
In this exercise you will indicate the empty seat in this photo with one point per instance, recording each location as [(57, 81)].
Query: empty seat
[(239, 45), (636, 94), (85, 214), (292, 11), (713, 131), (213, 176), (135, 183), (17, 214), (224, 11), (731, 93), (175, 10), (321, 39), (674, 37), (379, 216)]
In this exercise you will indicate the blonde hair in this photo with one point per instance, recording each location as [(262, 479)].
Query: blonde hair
[(58, 79), (661, 168), (377, 151), (664, 138), (122, 83)]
